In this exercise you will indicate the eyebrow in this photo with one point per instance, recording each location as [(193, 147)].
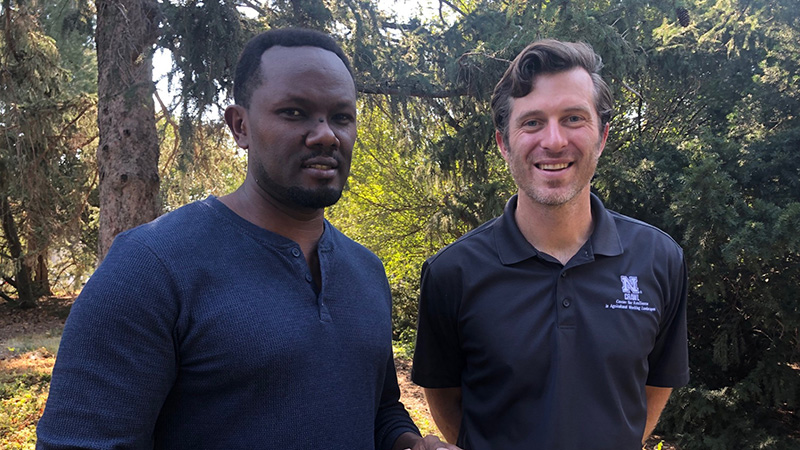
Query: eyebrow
[(303, 101), (571, 109)]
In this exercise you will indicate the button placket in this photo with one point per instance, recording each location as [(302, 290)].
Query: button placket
[(322, 304), (564, 300)]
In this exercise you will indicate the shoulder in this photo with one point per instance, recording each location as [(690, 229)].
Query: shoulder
[(629, 224), (637, 236), (187, 216), (188, 225), (478, 243)]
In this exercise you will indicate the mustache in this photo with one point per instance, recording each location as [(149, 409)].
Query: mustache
[(322, 154)]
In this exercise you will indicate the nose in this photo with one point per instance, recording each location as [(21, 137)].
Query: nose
[(322, 135), (554, 137)]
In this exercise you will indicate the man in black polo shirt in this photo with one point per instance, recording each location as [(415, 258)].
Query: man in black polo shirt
[(559, 324)]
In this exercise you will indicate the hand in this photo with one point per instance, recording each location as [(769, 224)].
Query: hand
[(431, 442)]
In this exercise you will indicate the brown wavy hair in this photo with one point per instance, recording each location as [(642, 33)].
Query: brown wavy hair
[(549, 56)]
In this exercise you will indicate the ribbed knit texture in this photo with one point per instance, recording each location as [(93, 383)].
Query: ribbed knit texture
[(201, 330)]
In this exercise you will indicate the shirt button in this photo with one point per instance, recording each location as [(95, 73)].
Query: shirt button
[(308, 278), (566, 303), (564, 274), (296, 252)]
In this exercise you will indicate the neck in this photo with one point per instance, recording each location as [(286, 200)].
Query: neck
[(560, 231), (302, 226)]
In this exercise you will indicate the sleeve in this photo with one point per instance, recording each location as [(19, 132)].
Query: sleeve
[(669, 359), (392, 419), (438, 361), (117, 359)]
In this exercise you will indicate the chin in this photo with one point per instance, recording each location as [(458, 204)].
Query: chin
[(315, 198)]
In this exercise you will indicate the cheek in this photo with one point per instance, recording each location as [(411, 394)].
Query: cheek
[(348, 136)]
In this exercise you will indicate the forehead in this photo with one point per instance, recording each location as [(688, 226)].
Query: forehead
[(289, 67), (555, 91)]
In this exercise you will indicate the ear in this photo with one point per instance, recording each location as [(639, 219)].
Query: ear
[(236, 118), (604, 138), (498, 137)]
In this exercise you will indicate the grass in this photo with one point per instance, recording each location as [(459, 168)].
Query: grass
[(24, 383), (23, 344)]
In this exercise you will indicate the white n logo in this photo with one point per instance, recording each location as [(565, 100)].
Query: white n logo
[(630, 284)]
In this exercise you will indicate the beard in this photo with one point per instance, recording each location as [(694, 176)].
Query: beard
[(557, 195), (311, 198)]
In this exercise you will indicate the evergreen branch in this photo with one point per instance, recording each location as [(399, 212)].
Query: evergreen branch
[(65, 129), (444, 113), (10, 42), (398, 26), (633, 91), (452, 6), (168, 118), (257, 8), (413, 92)]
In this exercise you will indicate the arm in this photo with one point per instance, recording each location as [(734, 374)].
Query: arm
[(445, 406), (116, 362), (656, 400), (393, 419)]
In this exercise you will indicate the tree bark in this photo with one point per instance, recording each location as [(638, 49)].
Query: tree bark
[(127, 156), (22, 273), (41, 280)]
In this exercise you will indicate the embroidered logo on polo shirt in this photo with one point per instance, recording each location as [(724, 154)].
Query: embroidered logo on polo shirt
[(630, 296), (630, 287)]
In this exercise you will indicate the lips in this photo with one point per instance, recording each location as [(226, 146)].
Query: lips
[(319, 163)]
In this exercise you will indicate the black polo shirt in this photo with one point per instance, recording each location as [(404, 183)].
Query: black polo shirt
[(553, 356)]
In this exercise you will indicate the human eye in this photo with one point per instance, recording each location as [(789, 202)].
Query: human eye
[(344, 118), (575, 119), (291, 113), (531, 123)]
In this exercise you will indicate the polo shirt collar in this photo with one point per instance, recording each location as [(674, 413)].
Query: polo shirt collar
[(605, 238), (512, 247)]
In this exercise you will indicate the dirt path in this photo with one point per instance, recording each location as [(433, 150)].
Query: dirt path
[(47, 317)]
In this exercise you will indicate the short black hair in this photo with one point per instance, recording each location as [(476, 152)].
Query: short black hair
[(549, 56), (247, 77)]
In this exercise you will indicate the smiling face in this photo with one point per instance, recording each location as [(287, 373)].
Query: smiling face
[(554, 138), (300, 127)]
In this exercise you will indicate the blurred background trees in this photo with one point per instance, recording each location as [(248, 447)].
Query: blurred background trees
[(704, 145)]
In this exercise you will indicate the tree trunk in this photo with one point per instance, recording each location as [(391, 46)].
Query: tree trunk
[(41, 280), (127, 156), (22, 273)]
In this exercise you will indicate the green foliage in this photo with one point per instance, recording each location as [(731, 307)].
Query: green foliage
[(46, 161), (210, 164), (205, 38), (23, 393), (705, 148), (393, 205)]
